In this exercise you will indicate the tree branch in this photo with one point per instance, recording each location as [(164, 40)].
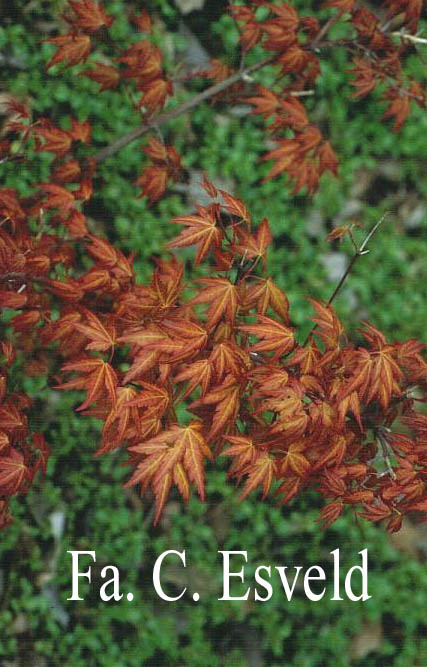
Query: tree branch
[(241, 75), (415, 39), (161, 119), (361, 250), (325, 29)]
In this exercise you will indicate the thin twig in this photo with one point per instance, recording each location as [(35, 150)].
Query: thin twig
[(161, 119), (385, 447), (410, 38), (326, 27), (301, 93), (361, 250), (211, 91), (243, 74)]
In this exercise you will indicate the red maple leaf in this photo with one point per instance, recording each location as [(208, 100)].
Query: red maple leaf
[(72, 49), (89, 15)]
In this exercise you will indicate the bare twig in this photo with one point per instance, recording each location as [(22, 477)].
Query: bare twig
[(415, 39), (361, 250), (241, 75), (325, 28), (385, 452), (161, 119)]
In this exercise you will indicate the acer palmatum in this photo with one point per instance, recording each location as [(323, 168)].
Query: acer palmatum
[(287, 414)]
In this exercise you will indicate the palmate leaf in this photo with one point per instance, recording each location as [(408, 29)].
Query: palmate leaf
[(201, 230), (176, 455), (99, 379), (155, 399), (223, 299), (243, 450), (142, 364), (13, 472), (197, 374), (107, 76), (155, 94), (121, 422), (295, 460), (58, 197), (102, 337), (72, 49), (227, 358), (226, 399), (263, 294), (260, 473), (89, 15), (254, 245), (152, 182), (266, 103), (376, 375), (275, 337), (235, 207), (328, 326), (321, 414), (55, 140)]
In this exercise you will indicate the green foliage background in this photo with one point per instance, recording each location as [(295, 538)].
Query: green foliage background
[(82, 505)]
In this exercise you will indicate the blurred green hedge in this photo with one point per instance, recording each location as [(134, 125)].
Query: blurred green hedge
[(82, 505)]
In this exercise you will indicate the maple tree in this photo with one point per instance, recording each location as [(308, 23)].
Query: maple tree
[(184, 372)]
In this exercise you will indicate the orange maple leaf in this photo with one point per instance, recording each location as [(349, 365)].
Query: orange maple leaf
[(72, 49), (223, 298), (398, 108), (89, 15), (121, 422), (55, 140), (197, 374), (244, 452), (152, 182), (236, 207), (106, 75), (81, 131), (102, 338), (254, 245), (226, 399), (13, 472), (201, 230), (266, 103), (295, 460), (176, 455), (261, 472), (275, 337), (99, 379), (264, 294), (156, 150), (155, 94), (227, 358), (328, 327), (58, 197), (155, 399)]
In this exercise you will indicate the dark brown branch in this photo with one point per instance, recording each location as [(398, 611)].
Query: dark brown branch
[(161, 119), (241, 75), (362, 250), (325, 28), (359, 252)]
